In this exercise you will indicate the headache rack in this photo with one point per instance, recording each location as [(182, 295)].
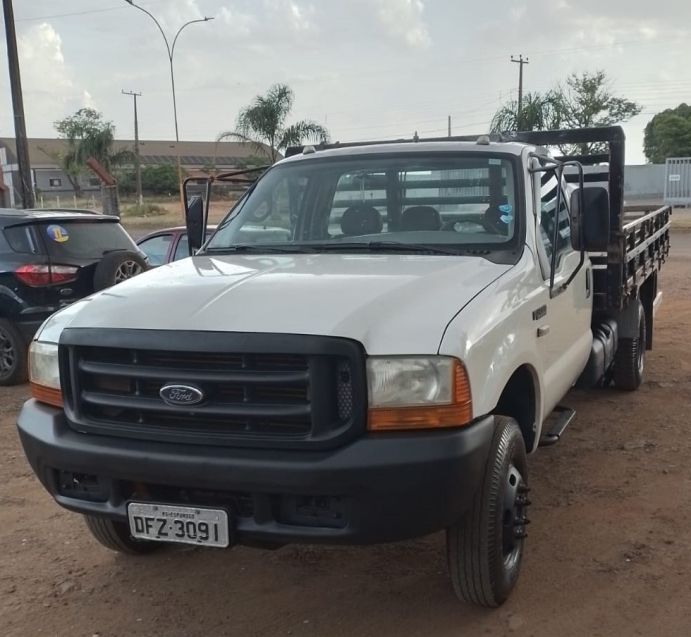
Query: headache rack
[(638, 241)]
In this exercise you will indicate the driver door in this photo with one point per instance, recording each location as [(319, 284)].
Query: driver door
[(562, 320)]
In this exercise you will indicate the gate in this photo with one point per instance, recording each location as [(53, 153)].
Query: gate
[(678, 181)]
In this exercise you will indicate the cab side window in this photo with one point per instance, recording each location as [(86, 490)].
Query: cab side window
[(553, 212)]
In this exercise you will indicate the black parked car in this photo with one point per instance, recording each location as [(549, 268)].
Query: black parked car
[(48, 259)]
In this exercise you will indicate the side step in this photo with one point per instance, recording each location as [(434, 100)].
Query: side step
[(557, 422)]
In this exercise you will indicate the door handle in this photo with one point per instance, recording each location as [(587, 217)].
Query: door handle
[(543, 330)]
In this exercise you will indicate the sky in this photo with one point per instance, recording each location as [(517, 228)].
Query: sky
[(367, 69)]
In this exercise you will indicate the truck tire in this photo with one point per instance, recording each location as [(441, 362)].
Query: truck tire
[(629, 361), (485, 547), (116, 536), (116, 267), (13, 354)]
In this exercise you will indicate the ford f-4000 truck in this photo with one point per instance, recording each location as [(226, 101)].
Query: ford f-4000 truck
[(364, 351)]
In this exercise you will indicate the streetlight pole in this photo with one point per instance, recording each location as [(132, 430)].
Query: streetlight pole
[(171, 52)]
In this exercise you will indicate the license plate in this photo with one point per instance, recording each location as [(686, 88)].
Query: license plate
[(185, 525)]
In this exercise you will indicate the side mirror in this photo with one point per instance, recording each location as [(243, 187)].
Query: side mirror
[(194, 218), (590, 219)]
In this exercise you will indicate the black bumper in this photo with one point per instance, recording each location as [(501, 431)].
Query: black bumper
[(376, 489)]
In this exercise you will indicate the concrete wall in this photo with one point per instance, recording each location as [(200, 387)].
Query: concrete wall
[(644, 182)]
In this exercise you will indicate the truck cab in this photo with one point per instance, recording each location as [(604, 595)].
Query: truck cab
[(365, 350)]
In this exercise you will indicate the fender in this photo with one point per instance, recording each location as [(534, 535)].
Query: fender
[(494, 335)]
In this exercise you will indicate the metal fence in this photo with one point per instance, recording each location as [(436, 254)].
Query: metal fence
[(678, 181)]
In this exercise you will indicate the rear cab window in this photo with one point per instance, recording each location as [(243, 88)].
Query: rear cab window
[(83, 239)]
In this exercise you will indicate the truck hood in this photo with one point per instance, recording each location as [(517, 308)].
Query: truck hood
[(392, 304)]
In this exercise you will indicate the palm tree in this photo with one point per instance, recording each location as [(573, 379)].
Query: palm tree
[(538, 112), (263, 124)]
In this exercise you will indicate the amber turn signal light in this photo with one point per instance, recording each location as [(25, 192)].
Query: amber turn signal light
[(457, 414), (47, 395)]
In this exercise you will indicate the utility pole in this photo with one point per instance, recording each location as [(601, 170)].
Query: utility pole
[(520, 61), (137, 160), (449, 125), (25, 182)]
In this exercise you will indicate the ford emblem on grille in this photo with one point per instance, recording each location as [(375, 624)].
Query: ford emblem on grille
[(181, 395)]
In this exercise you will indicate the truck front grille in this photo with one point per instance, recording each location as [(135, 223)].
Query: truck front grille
[(251, 397)]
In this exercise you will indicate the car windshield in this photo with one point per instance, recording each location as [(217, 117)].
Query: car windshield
[(447, 204)]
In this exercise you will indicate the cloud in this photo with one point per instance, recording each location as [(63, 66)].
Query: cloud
[(298, 18), (48, 84), (403, 20), (241, 24), (518, 12)]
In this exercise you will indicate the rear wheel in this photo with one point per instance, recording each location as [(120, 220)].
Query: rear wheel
[(13, 354), (485, 547), (629, 362), (116, 536)]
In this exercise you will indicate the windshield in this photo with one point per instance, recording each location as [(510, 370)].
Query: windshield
[(448, 203)]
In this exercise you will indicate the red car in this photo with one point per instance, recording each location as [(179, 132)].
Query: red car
[(169, 244)]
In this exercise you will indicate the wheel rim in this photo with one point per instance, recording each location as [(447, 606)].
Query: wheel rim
[(640, 354), (514, 519), (8, 354), (126, 270)]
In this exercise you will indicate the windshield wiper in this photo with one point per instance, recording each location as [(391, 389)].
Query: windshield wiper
[(388, 246), (260, 249), (338, 246)]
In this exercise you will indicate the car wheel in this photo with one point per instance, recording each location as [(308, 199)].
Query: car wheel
[(116, 267), (629, 361), (116, 536), (485, 547), (13, 355)]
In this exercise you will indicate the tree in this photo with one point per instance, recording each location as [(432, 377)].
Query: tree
[(87, 135), (156, 180), (586, 101), (539, 111), (668, 134), (263, 124)]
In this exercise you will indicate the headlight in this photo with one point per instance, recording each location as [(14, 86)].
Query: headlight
[(44, 373), (417, 392), (44, 370)]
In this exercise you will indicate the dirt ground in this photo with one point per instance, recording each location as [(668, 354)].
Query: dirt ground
[(609, 551)]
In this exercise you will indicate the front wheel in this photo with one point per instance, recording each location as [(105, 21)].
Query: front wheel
[(485, 547), (116, 536)]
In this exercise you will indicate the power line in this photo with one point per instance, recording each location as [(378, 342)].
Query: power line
[(76, 13)]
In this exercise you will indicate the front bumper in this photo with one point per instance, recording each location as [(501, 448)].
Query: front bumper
[(378, 488)]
